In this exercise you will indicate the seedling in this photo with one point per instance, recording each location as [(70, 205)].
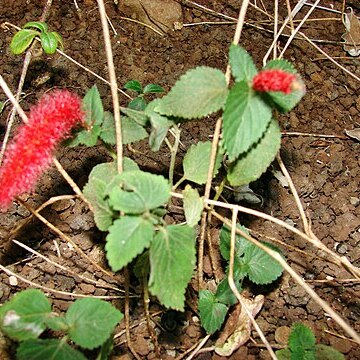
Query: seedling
[(24, 38), (89, 323), (139, 103)]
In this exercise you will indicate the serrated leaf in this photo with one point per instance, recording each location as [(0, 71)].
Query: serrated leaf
[(172, 261), (56, 323), (198, 93), (47, 349), (283, 354), (91, 322), (153, 89), (108, 134), (241, 63), (224, 294), (93, 107), (41, 26), (197, 160), (138, 192), (49, 42), (133, 85), (100, 181), (22, 40), (285, 102), (139, 117), (301, 342), (193, 205), (128, 237), (251, 165), (261, 268), (138, 104), (324, 352), (23, 316), (245, 119), (212, 313), (240, 242)]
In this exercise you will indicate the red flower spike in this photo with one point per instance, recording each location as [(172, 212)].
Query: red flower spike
[(274, 80), (32, 148)]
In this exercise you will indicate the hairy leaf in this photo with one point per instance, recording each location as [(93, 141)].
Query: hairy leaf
[(302, 342), (139, 192), (252, 164), (224, 294), (242, 64), (193, 205), (198, 93), (23, 316), (324, 352), (212, 313), (127, 238), (240, 242), (91, 322), (139, 117), (197, 160), (40, 349), (172, 261)]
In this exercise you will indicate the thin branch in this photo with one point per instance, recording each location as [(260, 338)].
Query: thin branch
[(113, 85), (201, 344)]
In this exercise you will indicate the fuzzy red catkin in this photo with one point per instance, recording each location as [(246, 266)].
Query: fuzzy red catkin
[(31, 150), (273, 80)]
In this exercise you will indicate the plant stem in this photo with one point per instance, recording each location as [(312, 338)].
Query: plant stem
[(173, 151), (113, 84)]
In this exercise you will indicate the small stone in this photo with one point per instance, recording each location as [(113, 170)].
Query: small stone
[(354, 201), (282, 335), (13, 280), (87, 288)]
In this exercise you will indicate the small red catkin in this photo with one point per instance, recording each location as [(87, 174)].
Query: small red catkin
[(274, 80), (30, 151)]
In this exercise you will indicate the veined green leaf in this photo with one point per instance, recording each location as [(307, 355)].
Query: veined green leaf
[(91, 322), (252, 164), (245, 119), (153, 89), (193, 205), (302, 342), (172, 261), (212, 312), (241, 63), (22, 40), (41, 26), (198, 93), (128, 237), (133, 85), (49, 42)]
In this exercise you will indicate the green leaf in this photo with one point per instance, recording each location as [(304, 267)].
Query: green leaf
[(22, 40), (94, 191), (47, 349), (172, 261), (139, 192), (41, 26), (138, 104), (153, 88), (324, 352), (132, 131), (285, 102), (261, 268), (2, 106), (91, 322), (93, 107), (245, 119), (59, 39), (159, 126), (283, 354), (142, 266), (139, 117), (198, 93), (49, 42), (127, 238), (241, 244), (107, 133), (302, 342), (197, 160), (224, 294), (212, 313), (106, 349), (242, 64), (193, 205), (23, 316), (251, 165), (133, 85)]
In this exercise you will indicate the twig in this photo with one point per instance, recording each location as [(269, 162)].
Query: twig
[(234, 288), (143, 24), (47, 289), (113, 85), (201, 344), (295, 133), (97, 283), (339, 336)]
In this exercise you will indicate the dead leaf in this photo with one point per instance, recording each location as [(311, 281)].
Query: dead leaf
[(352, 34), (237, 329), (355, 134)]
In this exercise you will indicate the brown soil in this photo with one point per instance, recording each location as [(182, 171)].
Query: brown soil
[(325, 170)]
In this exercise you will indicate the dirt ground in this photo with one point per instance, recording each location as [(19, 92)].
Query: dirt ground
[(325, 171)]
